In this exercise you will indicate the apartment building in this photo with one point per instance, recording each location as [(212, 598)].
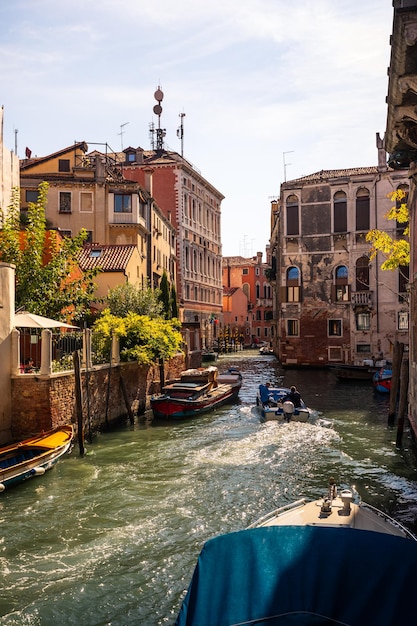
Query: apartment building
[(333, 304), (88, 190), (251, 275)]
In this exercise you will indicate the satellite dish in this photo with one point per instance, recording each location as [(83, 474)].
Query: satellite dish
[(158, 95), (157, 109)]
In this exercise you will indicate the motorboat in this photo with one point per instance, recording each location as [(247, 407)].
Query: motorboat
[(266, 350), (382, 380), (34, 456), (353, 372), (197, 391), (208, 355), (280, 410), (326, 562)]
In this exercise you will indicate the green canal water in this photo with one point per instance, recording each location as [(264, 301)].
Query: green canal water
[(112, 538)]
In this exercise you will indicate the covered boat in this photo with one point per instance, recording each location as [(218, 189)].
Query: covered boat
[(197, 391), (274, 406), (34, 456), (320, 563)]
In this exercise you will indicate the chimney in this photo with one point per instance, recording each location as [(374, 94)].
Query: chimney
[(148, 179)]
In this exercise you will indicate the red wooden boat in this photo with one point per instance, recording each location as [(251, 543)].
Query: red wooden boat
[(197, 391)]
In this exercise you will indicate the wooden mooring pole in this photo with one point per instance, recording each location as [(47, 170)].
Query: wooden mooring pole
[(126, 399), (78, 401), (396, 366), (403, 404)]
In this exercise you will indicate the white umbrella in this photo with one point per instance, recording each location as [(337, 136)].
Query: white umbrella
[(30, 320)]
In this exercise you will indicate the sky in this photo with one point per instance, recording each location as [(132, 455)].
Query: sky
[(271, 90)]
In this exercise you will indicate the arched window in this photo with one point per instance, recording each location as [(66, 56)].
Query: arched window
[(339, 212), (293, 284), (293, 227), (399, 201), (246, 290), (403, 278), (362, 209), (362, 274), (341, 287)]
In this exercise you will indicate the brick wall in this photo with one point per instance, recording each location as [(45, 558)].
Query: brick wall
[(40, 403)]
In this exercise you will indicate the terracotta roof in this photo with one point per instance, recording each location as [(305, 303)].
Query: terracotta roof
[(229, 291), (110, 258), (325, 175)]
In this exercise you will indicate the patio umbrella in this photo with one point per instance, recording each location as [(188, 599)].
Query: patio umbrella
[(30, 320)]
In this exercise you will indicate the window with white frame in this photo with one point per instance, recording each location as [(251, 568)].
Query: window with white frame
[(335, 353), (65, 202), (341, 287), (293, 284), (122, 203), (403, 320), (86, 202), (293, 328), (363, 321), (334, 328)]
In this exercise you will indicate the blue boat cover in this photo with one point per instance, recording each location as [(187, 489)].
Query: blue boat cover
[(300, 575)]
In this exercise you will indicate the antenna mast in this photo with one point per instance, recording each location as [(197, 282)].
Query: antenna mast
[(121, 133), (180, 132), (160, 132)]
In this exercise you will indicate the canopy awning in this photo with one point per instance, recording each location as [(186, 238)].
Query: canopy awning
[(30, 320)]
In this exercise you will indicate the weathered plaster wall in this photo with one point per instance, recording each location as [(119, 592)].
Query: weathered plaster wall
[(6, 317)]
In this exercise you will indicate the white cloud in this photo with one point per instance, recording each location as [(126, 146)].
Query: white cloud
[(256, 78)]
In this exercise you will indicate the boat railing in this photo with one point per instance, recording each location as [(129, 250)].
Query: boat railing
[(282, 509), (389, 520)]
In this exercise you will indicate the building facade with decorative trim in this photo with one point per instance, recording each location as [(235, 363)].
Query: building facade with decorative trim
[(333, 304)]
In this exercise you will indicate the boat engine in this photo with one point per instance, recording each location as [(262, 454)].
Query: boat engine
[(288, 408)]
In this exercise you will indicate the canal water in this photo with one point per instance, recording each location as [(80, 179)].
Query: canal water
[(112, 538)]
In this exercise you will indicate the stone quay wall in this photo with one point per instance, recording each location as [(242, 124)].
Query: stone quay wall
[(43, 402)]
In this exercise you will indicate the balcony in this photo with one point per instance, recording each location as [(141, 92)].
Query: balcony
[(264, 302), (362, 298), (133, 219)]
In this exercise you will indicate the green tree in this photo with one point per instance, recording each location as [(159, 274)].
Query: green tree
[(396, 251), (174, 304), (165, 296), (127, 298), (48, 281), (142, 338)]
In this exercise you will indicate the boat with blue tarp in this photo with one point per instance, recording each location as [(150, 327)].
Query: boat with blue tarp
[(330, 561)]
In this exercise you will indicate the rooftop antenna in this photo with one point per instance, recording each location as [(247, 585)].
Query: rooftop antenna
[(285, 164), (15, 140), (160, 132), (121, 133), (180, 132)]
